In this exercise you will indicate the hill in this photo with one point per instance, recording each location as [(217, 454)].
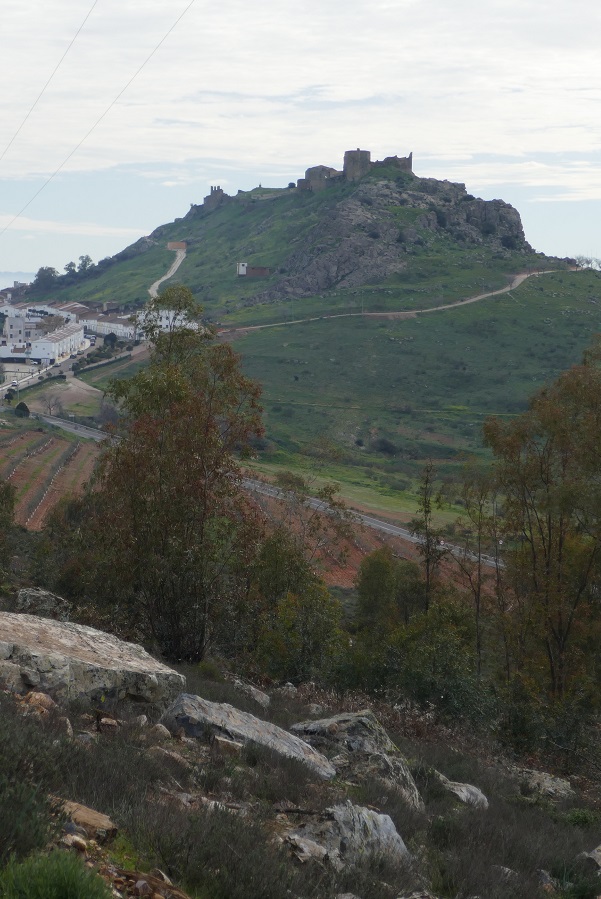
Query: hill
[(385, 229), (384, 392)]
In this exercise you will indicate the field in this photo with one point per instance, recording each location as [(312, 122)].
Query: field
[(373, 398), (43, 467)]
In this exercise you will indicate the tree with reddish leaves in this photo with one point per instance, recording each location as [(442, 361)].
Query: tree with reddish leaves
[(173, 530)]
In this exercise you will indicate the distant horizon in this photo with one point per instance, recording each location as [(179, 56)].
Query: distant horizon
[(117, 123), (7, 279)]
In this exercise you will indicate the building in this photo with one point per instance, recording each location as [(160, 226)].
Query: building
[(243, 269)]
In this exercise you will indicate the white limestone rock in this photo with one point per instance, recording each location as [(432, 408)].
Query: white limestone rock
[(355, 731), (202, 719), (465, 793), (70, 661), (351, 833)]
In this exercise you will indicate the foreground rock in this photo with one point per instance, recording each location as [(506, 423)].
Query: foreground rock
[(71, 661), (542, 784), (355, 731), (96, 825), (201, 719), (465, 793), (348, 834), (364, 751), (35, 601)]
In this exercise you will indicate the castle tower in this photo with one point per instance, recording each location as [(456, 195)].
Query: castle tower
[(357, 163)]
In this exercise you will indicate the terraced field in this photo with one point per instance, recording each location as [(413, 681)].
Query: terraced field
[(43, 468)]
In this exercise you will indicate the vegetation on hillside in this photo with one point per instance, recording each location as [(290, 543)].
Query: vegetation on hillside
[(167, 549)]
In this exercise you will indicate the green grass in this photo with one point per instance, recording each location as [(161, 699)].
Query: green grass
[(102, 376), (425, 384)]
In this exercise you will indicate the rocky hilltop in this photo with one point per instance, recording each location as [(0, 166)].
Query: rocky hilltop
[(370, 233)]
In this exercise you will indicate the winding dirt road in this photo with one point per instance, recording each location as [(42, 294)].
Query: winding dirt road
[(515, 282), (153, 290)]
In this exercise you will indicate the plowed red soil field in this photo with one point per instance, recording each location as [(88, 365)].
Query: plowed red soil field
[(68, 482), (31, 462)]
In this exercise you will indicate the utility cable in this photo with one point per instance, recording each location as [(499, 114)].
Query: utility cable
[(98, 121), (43, 91)]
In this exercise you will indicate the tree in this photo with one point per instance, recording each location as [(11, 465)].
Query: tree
[(45, 278), (312, 514), (175, 533), (85, 264), (110, 340), (304, 636), (52, 323), (548, 467), (390, 591), (7, 513), (22, 410), (431, 545), (51, 403), (71, 268), (476, 532)]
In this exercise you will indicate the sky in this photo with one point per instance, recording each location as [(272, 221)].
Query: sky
[(118, 114)]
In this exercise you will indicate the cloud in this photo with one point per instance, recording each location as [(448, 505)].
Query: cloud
[(89, 229)]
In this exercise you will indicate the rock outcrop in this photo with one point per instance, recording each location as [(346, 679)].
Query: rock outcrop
[(363, 751), (348, 834), (35, 601), (355, 731), (369, 235), (541, 783), (465, 793), (201, 719), (70, 661)]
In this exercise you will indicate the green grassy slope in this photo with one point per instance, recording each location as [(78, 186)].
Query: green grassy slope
[(389, 393)]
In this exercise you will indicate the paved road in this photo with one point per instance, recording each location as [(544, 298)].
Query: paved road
[(65, 425), (385, 527)]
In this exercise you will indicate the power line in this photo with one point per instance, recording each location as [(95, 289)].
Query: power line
[(43, 91), (98, 121)]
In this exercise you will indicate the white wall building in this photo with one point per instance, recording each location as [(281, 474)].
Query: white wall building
[(58, 344), (123, 329)]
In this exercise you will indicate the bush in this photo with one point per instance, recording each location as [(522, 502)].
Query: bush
[(25, 822), (59, 875), (22, 410)]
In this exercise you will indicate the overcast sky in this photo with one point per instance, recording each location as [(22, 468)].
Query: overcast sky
[(503, 95)]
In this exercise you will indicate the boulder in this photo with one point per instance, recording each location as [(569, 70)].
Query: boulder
[(364, 750), (543, 784), (35, 601), (253, 693), (71, 661), (202, 719), (96, 825), (391, 770), (354, 731), (592, 859), (465, 793), (348, 834)]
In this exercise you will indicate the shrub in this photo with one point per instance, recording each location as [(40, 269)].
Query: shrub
[(213, 852), (59, 875), (25, 822), (22, 410)]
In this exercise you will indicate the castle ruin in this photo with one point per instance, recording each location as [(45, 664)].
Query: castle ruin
[(357, 163)]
